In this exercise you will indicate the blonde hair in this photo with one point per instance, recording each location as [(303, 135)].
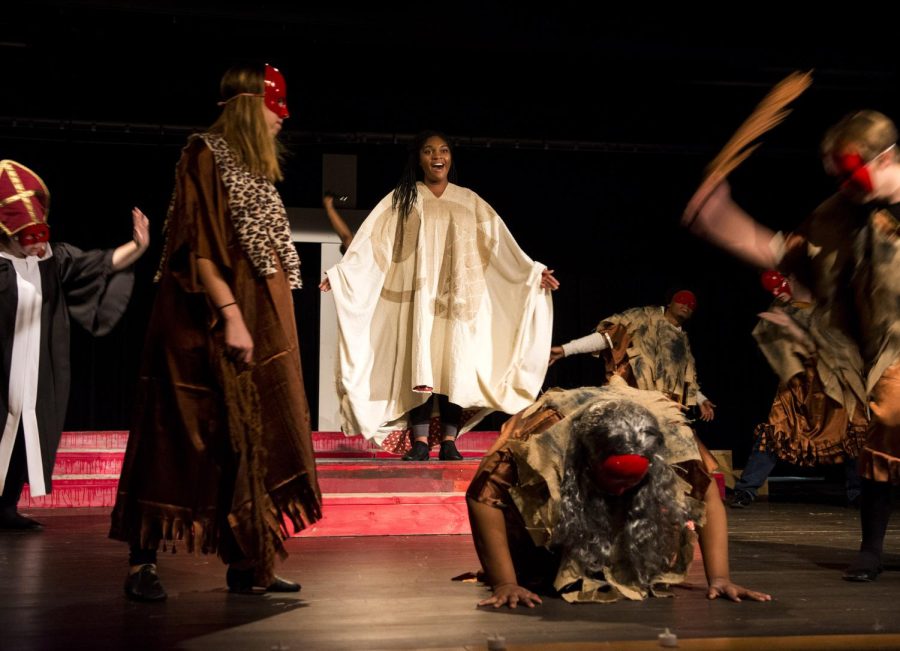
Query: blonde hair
[(242, 122), (869, 133)]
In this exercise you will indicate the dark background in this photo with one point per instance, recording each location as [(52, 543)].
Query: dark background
[(587, 130)]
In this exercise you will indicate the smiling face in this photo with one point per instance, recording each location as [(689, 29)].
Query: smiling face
[(435, 160)]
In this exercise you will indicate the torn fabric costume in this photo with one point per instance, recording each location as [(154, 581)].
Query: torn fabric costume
[(219, 455), (650, 353), (819, 412), (445, 299), (876, 282), (523, 474), (37, 299), (851, 253)]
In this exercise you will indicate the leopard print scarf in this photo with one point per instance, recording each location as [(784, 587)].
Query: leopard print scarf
[(258, 214)]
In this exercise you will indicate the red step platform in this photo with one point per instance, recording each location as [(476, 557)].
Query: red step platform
[(365, 491)]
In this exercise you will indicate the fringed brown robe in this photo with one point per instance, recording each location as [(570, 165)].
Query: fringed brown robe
[(218, 455)]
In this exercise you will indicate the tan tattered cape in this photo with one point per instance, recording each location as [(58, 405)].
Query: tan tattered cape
[(650, 353), (443, 299), (524, 469)]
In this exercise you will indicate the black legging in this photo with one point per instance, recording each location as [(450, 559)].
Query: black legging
[(420, 417), (875, 512)]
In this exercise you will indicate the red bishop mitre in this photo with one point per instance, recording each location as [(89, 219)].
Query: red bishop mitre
[(24, 198)]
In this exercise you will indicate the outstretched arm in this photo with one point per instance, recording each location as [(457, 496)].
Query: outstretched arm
[(127, 254), (714, 547), (489, 534), (556, 352), (592, 343), (714, 216)]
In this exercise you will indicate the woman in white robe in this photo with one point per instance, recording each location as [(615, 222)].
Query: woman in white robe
[(434, 297)]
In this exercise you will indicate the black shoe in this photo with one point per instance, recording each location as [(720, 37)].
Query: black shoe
[(418, 452), (741, 500), (860, 574), (144, 585), (283, 585), (864, 569), (242, 582), (12, 520), (449, 451)]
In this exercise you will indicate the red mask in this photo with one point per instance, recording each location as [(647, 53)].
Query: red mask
[(33, 234), (276, 92), (685, 297), (618, 473), (775, 283), (852, 172)]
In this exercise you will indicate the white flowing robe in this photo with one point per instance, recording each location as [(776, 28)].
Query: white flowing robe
[(443, 299)]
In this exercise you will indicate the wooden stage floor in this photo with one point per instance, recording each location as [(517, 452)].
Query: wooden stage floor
[(63, 590)]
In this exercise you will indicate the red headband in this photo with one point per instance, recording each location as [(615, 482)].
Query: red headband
[(685, 297)]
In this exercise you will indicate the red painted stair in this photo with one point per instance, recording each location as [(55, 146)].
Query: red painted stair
[(365, 491)]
